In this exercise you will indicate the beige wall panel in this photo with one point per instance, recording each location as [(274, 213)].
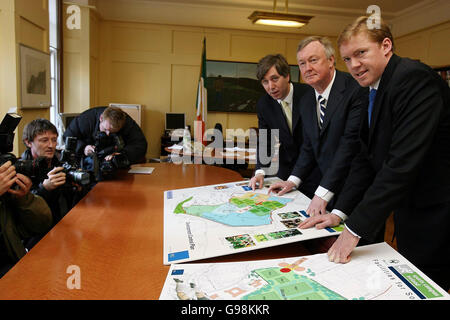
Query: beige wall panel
[(291, 50), (188, 43), (93, 81), (184, 91), (242, 120), (217, 45), (217, 117), (136, 39), (439, 51), (134, 82), (93, 35), (72, 83), (252, 48), (72, 45), (35, 11), (139, 83), (33, 35), (414, 47)]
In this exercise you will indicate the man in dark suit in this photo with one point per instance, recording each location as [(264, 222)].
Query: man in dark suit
[(278, 110), (404, 162), (330, 117)]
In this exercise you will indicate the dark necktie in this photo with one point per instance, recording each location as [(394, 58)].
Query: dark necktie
[(372, 94), (322, 102)]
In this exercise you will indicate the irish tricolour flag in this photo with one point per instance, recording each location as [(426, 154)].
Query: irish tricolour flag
[(202, 110)]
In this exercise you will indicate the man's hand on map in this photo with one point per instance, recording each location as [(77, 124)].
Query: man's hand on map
[(259, 178), (283, 186), (321, 221), (317, 206), (341, 250)]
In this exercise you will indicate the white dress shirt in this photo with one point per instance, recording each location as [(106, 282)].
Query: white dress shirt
[(289, 100), (321, 192)]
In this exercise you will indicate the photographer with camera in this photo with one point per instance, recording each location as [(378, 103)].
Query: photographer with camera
[(22, 214), (109, 135), (40, 136)]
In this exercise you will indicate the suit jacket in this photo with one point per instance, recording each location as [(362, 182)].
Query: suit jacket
[(333, 147), (405, 156), (271, 116)]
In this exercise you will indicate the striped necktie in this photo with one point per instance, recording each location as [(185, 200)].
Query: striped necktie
[(287, 113), (322, 104)]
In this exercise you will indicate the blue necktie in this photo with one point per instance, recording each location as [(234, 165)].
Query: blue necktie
[(372, 94)]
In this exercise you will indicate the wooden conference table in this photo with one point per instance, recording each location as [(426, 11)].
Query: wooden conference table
[(115, 236)]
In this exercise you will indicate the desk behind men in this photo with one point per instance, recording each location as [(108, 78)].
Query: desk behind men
[(115, 236)]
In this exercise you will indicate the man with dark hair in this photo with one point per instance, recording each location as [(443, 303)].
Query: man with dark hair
[(279, 109), (40, 136), (110, 121), (404, 162), (22, 215)]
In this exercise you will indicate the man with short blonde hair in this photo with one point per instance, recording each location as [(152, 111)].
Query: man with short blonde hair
[(404, 162)]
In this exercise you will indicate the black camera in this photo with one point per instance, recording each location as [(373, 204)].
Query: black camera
[(31, 168), (106, 145), (69, 162)]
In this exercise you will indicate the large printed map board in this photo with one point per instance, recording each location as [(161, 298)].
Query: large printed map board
[(376, 272), (229, 218)]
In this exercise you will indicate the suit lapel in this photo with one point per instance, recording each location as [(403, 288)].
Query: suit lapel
[(279, 117), (334, 100), (378, 103)]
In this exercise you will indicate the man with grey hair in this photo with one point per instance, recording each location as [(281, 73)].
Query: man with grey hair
[(330, 117)]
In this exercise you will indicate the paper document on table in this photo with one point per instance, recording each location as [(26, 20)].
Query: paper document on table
[(216, 220), (376, 272), (143, 170)]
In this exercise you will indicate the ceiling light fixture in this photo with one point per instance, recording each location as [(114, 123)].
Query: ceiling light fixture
[(279, 19)]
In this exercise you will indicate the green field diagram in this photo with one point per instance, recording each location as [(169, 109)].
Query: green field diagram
[(284, 284), (248, 209)]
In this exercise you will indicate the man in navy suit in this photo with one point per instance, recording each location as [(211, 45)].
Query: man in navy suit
[(330, 116), (279, 109), (404, 162)]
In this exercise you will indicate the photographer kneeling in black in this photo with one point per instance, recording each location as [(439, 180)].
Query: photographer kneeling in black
[(22, 215), (40, 136), (109, 133)]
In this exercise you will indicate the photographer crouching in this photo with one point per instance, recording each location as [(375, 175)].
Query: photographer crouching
[(57, 181), (109, 139), (22, 214)]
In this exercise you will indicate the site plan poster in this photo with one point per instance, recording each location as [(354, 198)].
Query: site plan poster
[(375, 272), (222, 219)]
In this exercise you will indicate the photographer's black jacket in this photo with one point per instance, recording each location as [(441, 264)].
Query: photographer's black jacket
[(86, 125), (59, 200)]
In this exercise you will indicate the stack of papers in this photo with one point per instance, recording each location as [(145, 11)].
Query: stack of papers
[(143, 170)]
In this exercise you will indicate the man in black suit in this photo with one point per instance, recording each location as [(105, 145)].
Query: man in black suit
[(278, 110), (404, 162), (330, 117)]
